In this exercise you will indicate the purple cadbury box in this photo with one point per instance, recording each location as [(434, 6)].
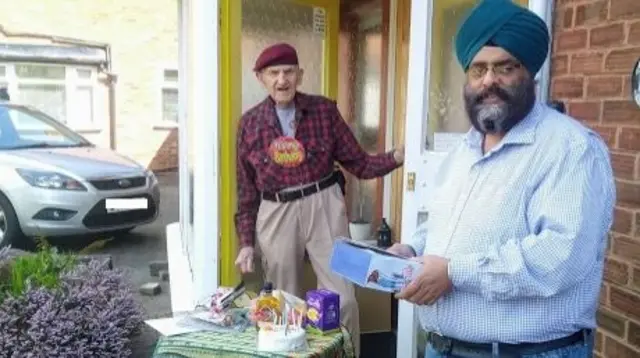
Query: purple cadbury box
[(323, 310)]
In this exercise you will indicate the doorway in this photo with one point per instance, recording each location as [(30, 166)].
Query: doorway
[(349, 57)]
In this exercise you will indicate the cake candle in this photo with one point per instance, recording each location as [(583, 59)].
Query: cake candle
[(286, 319)]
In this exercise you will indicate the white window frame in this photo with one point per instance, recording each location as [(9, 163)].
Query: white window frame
[(71, 82), (163, 84)]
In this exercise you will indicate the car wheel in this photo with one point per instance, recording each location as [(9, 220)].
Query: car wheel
[(10, 230)]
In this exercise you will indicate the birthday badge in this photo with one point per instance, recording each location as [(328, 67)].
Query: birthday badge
[(287, 152)]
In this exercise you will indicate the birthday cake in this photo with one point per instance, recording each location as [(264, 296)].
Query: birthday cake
[(275, 338), (279, 317)]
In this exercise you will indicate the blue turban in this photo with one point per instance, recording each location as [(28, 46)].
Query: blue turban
[(504, 24)]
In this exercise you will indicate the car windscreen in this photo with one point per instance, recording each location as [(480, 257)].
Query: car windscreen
[(21, 128)]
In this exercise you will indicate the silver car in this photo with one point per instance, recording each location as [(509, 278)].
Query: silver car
[(53, 182)]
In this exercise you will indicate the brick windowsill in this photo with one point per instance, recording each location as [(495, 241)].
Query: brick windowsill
[(165, 126)]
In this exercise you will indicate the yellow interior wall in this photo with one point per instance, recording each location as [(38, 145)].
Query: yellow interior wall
[(442, 48), (230, 106)]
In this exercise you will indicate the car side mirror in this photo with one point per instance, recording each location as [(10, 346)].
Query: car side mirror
[(635, 82)]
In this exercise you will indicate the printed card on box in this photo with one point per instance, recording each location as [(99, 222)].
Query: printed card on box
[(323, 311), (372, 267)]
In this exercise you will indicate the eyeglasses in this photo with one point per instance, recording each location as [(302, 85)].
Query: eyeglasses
[(502, 69)]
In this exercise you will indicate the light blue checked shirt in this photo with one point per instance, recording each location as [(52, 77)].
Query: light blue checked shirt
[(525, 228)]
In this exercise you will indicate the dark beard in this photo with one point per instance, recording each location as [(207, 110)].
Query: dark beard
[(499, 118)]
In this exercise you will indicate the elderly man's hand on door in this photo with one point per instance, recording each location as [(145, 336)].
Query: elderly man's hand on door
[(398, 155)]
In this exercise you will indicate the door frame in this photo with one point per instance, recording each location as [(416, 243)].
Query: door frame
[(416, 110), (416, 160), (196, 267)]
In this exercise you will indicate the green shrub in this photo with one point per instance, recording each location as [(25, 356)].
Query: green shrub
[(42, 269)]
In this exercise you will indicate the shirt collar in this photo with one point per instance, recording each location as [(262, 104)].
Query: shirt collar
[(268, 106)]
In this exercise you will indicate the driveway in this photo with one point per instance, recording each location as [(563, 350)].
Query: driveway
[(134, 251)]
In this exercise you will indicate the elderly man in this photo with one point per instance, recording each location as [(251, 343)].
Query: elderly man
[(514, 246), (289, 197)]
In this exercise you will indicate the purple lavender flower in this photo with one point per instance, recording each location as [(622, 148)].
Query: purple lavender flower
[(92, 314)]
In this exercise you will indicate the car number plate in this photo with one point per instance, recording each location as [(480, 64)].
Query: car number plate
[(120, 205)]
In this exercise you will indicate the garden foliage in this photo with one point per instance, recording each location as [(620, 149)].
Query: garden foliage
[(53, 306)]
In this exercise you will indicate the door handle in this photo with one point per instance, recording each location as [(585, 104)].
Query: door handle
[(423, 216), (411, 181)]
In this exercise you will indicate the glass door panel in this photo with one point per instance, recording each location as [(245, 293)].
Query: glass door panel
[(361, 62), (446, 111), (266, 22)]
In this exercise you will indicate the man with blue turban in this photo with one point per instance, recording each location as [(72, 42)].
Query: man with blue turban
[(513, 251), (519, 39)]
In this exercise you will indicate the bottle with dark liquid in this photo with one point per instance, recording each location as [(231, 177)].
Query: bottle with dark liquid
[(384, 234)]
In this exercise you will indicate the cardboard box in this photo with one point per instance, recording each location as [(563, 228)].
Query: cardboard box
[(372, 267), (375, 306), (323, 310)]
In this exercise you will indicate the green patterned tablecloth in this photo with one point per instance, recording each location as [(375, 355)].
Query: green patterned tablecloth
[(243, 345)]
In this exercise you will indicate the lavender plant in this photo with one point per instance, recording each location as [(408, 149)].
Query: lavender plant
[(4, 252), (92, 313)]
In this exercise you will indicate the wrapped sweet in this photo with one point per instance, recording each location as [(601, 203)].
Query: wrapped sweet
[(269, 307), (224, 307)]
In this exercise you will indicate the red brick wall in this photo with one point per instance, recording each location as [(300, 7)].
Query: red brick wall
[(596, 44), (166, 157)]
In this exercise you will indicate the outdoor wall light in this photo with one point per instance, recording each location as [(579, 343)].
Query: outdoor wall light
[(635, 83)]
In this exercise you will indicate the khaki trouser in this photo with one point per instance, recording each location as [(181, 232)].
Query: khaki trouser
[(285, 230)]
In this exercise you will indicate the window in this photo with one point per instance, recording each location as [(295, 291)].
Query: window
[(66, 93), (170, 96), (3, 81), (24, 128)]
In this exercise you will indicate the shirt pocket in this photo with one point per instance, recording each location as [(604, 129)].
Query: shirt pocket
[(318, 154), (260, 161)]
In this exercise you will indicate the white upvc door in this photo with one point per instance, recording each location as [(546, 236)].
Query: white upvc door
[(419, 166), (436, 118)]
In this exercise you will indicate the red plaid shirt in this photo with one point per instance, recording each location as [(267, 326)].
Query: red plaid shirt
[(326, 138)]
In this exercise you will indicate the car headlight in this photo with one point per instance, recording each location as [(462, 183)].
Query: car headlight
[(50, 180), (151, 178)]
